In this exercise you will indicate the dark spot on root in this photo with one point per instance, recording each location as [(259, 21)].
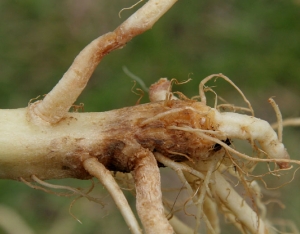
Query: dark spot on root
[(113, 157), (217, 146)]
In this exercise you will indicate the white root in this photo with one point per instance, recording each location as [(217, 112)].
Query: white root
[(281, 162), (203, 191), (248, 127), (223, 190), (211, 210), (257, 196), (242, 211), (198, 200), (179, 226), (104, 176), (251, 129)]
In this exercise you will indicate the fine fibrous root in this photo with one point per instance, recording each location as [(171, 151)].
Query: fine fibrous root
[(62, 187), (128, 8), (204, 81)]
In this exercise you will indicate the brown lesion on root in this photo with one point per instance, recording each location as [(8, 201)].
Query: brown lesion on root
[(114, 40), (113, 157), (118, 149), (129, 129), (157, 137)]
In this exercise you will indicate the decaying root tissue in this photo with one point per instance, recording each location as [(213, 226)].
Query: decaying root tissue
[(184, 134)]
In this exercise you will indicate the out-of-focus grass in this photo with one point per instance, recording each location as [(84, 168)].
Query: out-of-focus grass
[(255, 43)]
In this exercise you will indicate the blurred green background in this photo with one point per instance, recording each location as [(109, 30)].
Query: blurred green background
[(255, 43)]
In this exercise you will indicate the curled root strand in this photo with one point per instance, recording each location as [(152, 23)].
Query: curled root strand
[(45, 190), (204, 81), (138, 92), (74, 190), (129, 8), (282, 185), (70, 209), (176, 82)]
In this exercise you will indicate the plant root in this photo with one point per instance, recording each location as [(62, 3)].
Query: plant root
[(179, 226), (195, 141), (96, 169), (63, 187), (148, 194), (56, 104), (172, 130), (204, 81), (235, 203), (211, 210)]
